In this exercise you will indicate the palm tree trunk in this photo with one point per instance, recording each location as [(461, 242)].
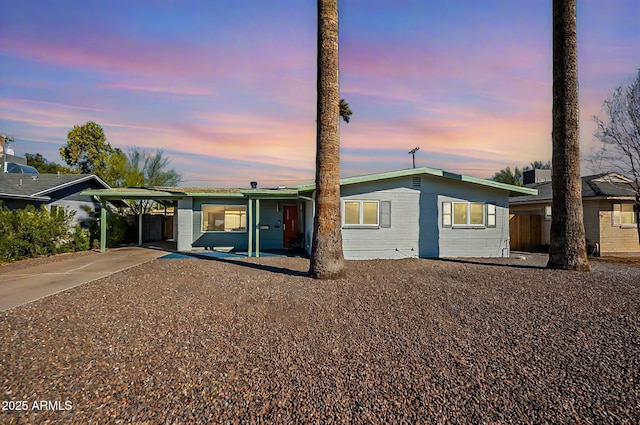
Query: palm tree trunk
[(327, 260), (568, 245)]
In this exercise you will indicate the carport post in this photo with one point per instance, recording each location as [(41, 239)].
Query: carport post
[(257, 228), (250, 228), (140, 229), (103, 226)]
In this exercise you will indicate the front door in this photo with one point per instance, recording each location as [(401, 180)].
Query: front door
[(290, 219)]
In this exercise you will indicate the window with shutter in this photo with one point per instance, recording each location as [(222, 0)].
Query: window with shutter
[(385, 214)]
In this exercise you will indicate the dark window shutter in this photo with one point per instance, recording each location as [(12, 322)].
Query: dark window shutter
[(385, 214)]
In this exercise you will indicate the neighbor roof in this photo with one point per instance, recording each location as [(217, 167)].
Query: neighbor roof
[(429, 171), (38, 186), (606, 185)]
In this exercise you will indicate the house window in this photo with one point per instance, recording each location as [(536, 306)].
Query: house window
[(446, 214), (460, 214), (491, 215), (361, 213), (224, 218), (623, 214)]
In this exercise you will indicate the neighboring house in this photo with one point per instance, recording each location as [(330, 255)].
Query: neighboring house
[(609, 218), (422, 212), (52, 190)]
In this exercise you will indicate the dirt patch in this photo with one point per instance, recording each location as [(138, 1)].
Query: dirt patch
[(256, 341), (619, 261)]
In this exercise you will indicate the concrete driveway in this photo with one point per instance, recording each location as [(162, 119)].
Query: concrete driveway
[(22, 286)]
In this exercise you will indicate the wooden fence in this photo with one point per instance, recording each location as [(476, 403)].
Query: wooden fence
[(525, 232)]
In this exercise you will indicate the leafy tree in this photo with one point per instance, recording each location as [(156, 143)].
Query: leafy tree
[(115, 169), (509, 177), (327, 258), (345, 111), (140, 168), (87, 150), (38, 162), (619, 134), (568, 244)]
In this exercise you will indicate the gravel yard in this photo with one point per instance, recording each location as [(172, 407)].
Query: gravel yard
[(255, 341)]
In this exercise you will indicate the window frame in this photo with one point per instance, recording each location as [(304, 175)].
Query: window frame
[(202, 214), (361, 223), (620, 212), (448, 215), (489, 213)]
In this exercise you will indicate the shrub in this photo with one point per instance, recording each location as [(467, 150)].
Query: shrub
[(32, 232)]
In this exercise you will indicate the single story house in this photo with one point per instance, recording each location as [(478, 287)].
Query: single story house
[(421, 212), (18, 190), (609, 219)]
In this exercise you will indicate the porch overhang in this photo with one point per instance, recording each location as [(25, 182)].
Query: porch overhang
[(174, 194)]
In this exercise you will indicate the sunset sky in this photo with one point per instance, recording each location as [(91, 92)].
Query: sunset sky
[(227, 88)]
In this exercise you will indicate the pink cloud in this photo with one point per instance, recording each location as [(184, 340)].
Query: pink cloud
[(111, 52), (160, 88)]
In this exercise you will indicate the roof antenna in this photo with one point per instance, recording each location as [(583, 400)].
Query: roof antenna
[(413, 153)]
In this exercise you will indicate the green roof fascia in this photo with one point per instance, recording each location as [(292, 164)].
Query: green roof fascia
[(491, 183), (129, 193), (380, 176), (214, 194), (430, 171), (271, 194)]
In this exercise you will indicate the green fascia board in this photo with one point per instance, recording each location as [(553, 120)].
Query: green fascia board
[(130, 193), (153, 194), (498, 185), (429, 171), (213, 195), (271, 194), (253, 194), (374, 177)]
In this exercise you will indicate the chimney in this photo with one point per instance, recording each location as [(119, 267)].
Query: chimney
[(254, 185)]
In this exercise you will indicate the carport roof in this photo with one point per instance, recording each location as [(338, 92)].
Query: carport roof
[(169, 193)]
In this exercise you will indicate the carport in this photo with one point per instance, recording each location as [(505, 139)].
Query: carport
[(119, 194)]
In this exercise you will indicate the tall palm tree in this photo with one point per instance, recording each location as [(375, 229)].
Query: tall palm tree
[(327, 259), (568, 245), (345, 111)]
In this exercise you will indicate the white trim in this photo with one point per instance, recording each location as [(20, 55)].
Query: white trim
[(361, 223), (468, 214), (488, 209), (246, 218), (619, 222), (73, 182)]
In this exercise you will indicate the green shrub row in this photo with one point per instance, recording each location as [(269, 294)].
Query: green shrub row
[(33, 232)]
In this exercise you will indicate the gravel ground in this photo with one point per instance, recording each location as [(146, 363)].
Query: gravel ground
[(255, 341)]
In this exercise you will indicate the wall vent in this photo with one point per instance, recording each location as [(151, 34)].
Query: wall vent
[(417, 181)]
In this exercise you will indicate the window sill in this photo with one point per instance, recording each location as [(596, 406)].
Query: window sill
[(469, 227), (362, 226), (223, 231)]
